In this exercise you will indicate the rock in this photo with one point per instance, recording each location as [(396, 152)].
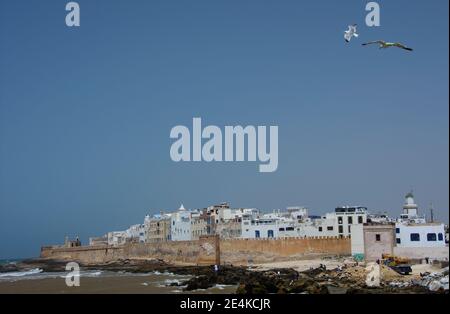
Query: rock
[(373, 276), (8, 268), (434, 285), (336, 290), (200, 282)]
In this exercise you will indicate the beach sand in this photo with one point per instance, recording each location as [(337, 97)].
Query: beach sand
[(150, 284)]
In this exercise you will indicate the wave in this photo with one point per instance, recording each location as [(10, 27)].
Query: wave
[(21, 273)]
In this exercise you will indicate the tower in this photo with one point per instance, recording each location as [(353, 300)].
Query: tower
[(410, 208)]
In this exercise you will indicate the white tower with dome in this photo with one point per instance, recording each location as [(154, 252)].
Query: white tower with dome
[(410, 208)]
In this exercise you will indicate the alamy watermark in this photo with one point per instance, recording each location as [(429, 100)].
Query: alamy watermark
[(73, 277), (209, 144), (73, 17), (373, 17)]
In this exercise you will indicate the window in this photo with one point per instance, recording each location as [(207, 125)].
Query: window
[(340, 220), (349, 229), (431, 236), (320, 229), (397, 230), (330, 228), (360, 219), (257, 234), (440, 237), (281, 229), (289, 228), (341, 229), (270, 233), (378, 237), (415, 237), (350, 220), (398, 241)]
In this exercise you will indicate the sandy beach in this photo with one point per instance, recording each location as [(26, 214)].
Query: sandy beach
[(107, 284)]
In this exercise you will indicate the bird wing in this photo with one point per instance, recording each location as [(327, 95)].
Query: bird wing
[(399, 45), (374, 42), (347, 36)]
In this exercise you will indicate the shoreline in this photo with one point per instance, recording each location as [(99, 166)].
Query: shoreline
[(318, 276)]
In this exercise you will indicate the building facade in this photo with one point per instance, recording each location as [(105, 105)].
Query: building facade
[(180, 225), (378, 240), (158, 228), (412, 229), (198, 225)]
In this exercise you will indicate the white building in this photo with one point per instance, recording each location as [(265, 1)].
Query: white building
[(265, 227), (295, 222), (341, 221), (180, 223), (136, 233), (117, 238), (411, 211), (410, 236), (412, 230), (419, 235)]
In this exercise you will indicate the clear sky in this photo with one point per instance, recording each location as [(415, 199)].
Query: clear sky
[(85, 113)]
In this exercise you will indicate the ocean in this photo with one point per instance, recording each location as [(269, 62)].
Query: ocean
[(10, 261), (96, 281)]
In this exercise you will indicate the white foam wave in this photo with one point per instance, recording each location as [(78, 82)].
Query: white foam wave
[(21, 273)]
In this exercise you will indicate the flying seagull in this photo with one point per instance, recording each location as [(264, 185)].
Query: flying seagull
[(383, 44), (348, 34)]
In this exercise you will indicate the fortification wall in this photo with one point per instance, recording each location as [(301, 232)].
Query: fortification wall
[(245, 251), (200, 252), (206, 251)]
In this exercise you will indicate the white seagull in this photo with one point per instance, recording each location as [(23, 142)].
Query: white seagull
[(351, 32)]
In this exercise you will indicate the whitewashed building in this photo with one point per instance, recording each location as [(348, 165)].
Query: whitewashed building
[(419, 235), (180, 225), (117, 238), (136, 233), (412, 229), (295, 222), (341, 221)]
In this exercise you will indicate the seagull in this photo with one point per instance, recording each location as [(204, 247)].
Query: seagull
[(348, 34), (383, 44)]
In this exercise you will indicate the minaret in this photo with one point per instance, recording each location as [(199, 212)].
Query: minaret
[(410, 208)]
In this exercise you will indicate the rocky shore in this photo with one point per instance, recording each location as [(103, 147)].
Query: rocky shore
[(347, 280)]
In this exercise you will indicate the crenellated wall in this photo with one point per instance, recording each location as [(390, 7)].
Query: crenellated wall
[(200, 252), (208, 250)]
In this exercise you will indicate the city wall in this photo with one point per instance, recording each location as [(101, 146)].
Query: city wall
[(208, 250), (247, 251), (201, 252)]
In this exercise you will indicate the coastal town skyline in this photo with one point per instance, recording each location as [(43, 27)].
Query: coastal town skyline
[(391, 215), (86, 112), (231, 222)]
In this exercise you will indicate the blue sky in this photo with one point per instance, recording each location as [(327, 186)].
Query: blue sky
[(85, 114)]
